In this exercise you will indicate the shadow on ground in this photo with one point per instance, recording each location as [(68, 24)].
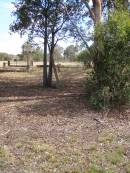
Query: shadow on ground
[(69, 106)]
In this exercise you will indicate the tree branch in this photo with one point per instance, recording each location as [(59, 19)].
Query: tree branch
[(89, 9)]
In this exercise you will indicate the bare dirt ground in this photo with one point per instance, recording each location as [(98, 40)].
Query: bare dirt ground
[(54, 131)]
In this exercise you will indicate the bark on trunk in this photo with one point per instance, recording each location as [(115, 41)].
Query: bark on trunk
[(50, 69), (55, 72), (45, 81), (97, 6), (125, 3), (51, 60), (28, 62)]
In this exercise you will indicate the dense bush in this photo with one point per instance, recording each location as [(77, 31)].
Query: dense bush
[(110, 81), (85, 57)]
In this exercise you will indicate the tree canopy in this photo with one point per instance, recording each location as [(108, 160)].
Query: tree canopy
[(45, 20)]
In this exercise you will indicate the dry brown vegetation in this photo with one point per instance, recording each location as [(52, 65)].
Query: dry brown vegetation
[(54, 131)]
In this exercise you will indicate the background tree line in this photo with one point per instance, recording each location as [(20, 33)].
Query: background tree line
[(60, 54)]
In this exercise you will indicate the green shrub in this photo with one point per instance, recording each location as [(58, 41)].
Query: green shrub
[(85, 57), (111, 74)]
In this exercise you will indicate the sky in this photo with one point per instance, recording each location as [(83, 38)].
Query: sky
[(11, 43), (8, 43)]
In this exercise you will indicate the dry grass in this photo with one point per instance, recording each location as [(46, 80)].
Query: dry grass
[(54, 131)]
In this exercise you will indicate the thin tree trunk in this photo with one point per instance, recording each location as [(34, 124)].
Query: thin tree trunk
[(51, 61), (29, 60), (55, 72), (45, 81), (50, 69)]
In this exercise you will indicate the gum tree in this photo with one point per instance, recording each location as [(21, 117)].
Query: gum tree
[(45, 20)]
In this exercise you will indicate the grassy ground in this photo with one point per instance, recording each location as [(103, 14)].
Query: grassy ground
[(54, 131)]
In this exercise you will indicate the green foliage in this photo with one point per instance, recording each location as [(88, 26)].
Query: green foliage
[(37, 54), (5, 57), (70, 53), (110, 81), (85, 57), (58, 53)]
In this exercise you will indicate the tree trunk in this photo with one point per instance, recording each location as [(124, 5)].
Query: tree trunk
[(45, 81), (55, 72), (52, 64), (50, 69), (51, 60), (125, 3), (28, 62), (97, 6)]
